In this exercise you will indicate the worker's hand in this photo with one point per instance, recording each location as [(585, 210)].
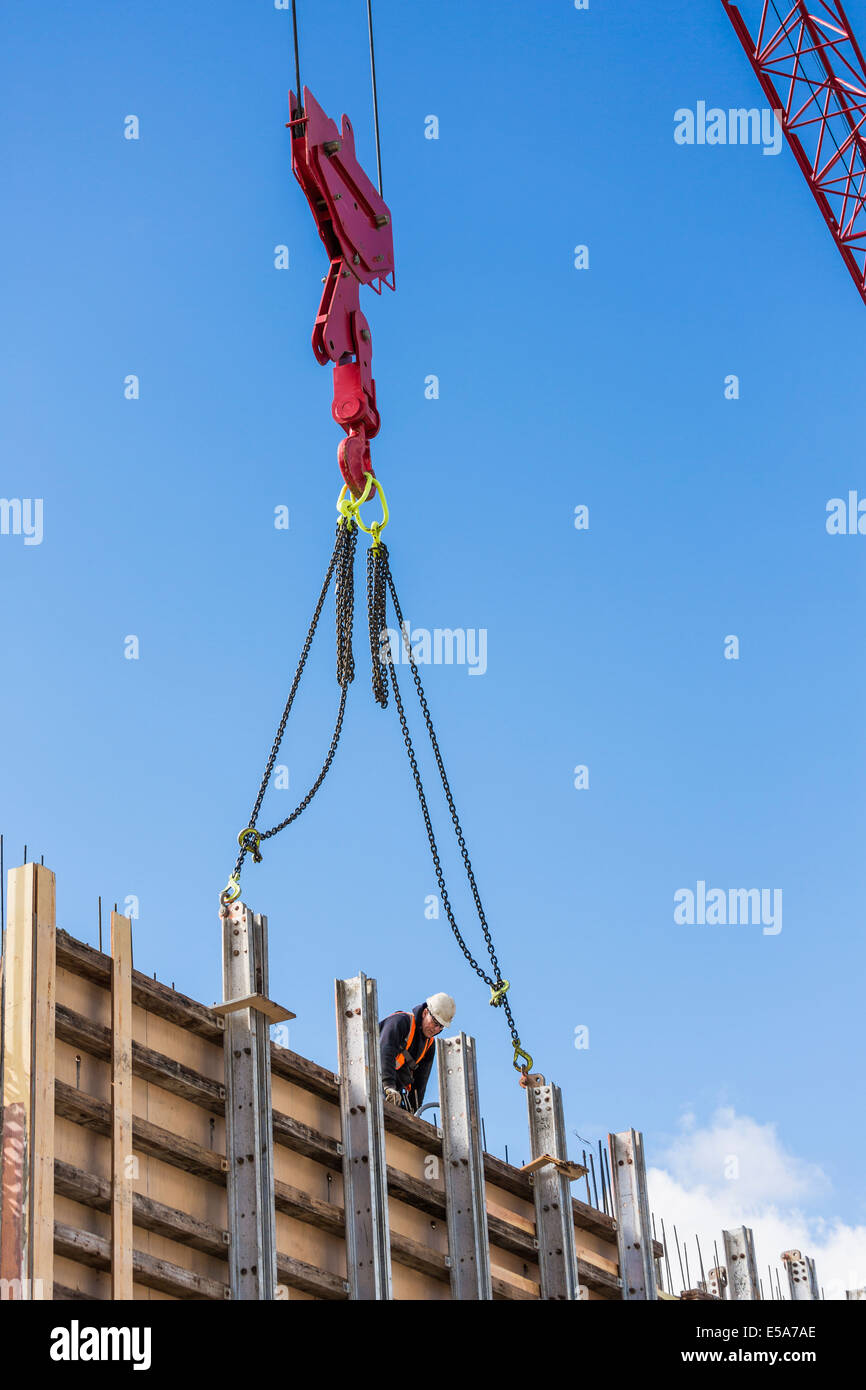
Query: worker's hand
[(392, 1096)]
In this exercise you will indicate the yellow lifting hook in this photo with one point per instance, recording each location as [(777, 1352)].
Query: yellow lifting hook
[(350, 508)]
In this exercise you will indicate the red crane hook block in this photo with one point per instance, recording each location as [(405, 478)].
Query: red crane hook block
[(354, 223)]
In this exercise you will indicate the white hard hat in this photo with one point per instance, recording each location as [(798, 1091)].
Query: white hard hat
[(442, 1007)]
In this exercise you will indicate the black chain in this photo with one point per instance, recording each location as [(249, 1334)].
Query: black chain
[(378, 577), (376, 608), (342, 563)]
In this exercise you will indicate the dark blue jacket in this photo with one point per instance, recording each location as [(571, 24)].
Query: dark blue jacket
[(413, 1075)]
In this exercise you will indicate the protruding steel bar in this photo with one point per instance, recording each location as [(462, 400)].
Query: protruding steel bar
[(670, 1287), (660, 1281), (680, 1258)]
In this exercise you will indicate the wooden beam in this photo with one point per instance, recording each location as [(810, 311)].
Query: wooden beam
[(149, 994), (413, 1129), (416, 1193), (516, 1239), (27, 1205), (308, 1279), (167, 1073), (303, 1139), (505, 1289), (148, 1138), (304, 1073), (16, 1099), (599, 1280), (260, 1002), (326, 1216), (95, 1252), (573, 1171), (148, 1214), (122, 1157), (45, 1000)]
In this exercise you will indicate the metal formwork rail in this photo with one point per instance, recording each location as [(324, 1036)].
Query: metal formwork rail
[(365, 1190), (557, 1260), (249, 1123), (802, 1278), (741, 1264), (463, 1168), (631, 1208)]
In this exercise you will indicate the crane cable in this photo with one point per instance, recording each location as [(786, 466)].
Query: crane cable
[(375, 94), (299, 91)]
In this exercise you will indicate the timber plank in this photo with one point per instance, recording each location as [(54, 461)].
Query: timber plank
[(416, 1193), (43, 889), (154, 1067), (147, 1213), (327, 1216), (309, 1279), (304, 1073), (303, 1139), (148, 1138), (149, 994), (598, 1279), (505, 1289), (121, 1107), (95, 1251)]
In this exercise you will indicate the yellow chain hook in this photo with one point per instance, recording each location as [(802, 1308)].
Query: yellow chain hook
[(231, 892), (350, 508), (498, 993), (519, 1052)]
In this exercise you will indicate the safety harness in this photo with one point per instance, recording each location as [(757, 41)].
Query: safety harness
[(403, 1059)]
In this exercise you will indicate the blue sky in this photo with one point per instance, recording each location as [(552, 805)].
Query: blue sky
[(558, 387)]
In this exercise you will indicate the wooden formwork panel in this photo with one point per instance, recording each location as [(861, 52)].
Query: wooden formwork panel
[(169, 1047)]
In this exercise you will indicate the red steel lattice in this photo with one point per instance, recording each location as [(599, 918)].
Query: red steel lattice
[(811, 70)]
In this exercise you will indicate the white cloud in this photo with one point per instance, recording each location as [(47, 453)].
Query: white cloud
[(736, 1172)]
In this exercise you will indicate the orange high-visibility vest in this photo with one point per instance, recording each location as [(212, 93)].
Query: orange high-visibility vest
[(401, 1057)]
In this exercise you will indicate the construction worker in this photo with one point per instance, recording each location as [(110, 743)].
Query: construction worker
[(407, 1046)]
